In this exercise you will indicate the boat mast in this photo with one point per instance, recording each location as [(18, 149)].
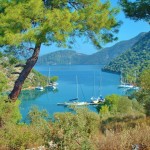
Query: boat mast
[(49, 75), (121, 78), (100, 84), (77, 86), (94, 84)]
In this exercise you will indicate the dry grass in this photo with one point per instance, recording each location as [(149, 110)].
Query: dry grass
[(125, 138)]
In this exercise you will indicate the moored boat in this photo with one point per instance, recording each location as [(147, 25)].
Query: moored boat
[(39, 88)]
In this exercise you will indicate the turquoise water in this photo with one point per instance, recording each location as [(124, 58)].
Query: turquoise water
[(89, 77)]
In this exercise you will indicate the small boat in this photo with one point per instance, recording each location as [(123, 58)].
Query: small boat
[(123, 84), (54, 83), (39, 88), (136, 88), (76, 104), (50, 84), (73, 103), (99, 99), (94, 100)]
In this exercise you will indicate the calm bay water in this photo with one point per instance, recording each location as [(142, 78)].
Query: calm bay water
[(89, 77)]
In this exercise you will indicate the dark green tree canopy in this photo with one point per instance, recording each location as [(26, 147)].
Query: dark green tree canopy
[(54, 21), (50, 21), (137, 10)]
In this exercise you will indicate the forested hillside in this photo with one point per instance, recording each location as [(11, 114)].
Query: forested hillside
[(135, 59), (10, 71), (103, 56)]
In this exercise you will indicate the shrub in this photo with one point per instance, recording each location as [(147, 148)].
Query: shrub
[(120, 105), (77, 129), (13, 60), (54, 79), (9, 111), (3, 82)]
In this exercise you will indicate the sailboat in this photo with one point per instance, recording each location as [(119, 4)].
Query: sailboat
[(39, 87), (49, 83), (123, 84), (77, 93), (135, 87), (98, 99), (73, 101)]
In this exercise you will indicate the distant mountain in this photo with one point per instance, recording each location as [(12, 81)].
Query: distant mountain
[(103, 56), (135, 59), (62, 57)]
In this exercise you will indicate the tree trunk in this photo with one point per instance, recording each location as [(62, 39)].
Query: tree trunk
[(24, 73)]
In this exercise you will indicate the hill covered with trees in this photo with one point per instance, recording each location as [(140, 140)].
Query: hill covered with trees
[(103, 56), (9, 70), (135, 59)]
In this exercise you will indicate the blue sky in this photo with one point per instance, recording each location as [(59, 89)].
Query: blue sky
[(128, 30)]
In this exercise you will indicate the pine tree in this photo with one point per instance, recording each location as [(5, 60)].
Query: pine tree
[(53, 21)]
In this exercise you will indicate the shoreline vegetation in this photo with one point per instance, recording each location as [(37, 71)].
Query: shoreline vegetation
[(8, 68), (119, 126)]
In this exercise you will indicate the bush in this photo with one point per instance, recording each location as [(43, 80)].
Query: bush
[(122, 105), (75, 131), (1, 54), (22, 136), (53, 79), (3, 82), (13, 60), (9, 111)]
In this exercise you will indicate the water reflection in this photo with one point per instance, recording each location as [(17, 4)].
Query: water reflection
[(29, 95)]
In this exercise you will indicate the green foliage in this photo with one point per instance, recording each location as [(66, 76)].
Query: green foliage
[(104, 111), (143, 96), (79, 130), (144, 80), (22, 136), (40, 120), (35, 116), (124, 105), (137, 10), (53, 79), (13, 61), (119, 105), (9, 111), (112, 99), (137, 106), (76, 129), (135, 59), (3, 82), (37, 78), (41, 22), (1, 55), (9, 61)]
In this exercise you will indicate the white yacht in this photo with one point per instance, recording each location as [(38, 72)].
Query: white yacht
[(39, 88), (123, 84)]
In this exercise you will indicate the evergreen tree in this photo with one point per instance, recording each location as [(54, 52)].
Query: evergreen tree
[(53, 21), (138, 10)]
